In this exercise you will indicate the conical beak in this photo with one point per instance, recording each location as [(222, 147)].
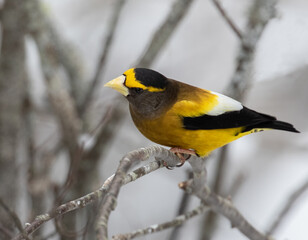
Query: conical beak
[(118, 84)]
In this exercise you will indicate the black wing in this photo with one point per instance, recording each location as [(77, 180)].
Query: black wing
[(243, 118)]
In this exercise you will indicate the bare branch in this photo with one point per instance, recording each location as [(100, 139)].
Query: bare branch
[(14, 217), (261, 12), (182, 208), (110, 121), (65, 111), (218, 204), (62, 53), (196, 187), (237, 183), (179, 220), (129, 160), (287, 207), (87, 199), (225, 16), (163, 34), (6, 232), (209, 222), (12, 91), (110, 190), (62, 102), (100, 68)]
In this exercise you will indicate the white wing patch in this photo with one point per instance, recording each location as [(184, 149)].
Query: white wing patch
[(225, 104)]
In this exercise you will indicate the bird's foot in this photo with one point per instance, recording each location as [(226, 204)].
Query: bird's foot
[(180, 153)]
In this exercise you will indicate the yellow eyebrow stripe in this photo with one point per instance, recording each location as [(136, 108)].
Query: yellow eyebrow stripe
[(132, 82)]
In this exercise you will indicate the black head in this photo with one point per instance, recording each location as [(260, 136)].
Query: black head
[(150, 78)]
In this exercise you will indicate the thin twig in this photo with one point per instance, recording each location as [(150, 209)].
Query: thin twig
[(226, 17), (65, 111), (289, 204), (37, 170), (14, 217), (210, 219), (6, 232), (50, 235), (182, 209), (218, 204), (63, 103), (12, 92), (108, 127), (104, 54), (236, 184), (87, 199), (179, 220), (113, 184), (129, 160), (164, 32), (261, 12), (42, 30)]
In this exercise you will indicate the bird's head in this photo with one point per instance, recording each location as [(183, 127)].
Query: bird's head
[(147, 91), (136, 81)]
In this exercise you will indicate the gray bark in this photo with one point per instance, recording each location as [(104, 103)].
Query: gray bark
[(12, 73)]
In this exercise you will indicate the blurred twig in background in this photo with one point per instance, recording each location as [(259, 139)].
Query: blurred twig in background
[(226, 17), (286, 208), (182, 209), (177, 12), (88, 199), (99, 70), (12, 93), (14, 217), (175, 223), (261, 12)]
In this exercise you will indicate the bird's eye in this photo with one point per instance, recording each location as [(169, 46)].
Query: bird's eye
[(138, 90)]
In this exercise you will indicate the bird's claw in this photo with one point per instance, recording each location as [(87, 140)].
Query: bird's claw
[(167, 166), (182, 154)]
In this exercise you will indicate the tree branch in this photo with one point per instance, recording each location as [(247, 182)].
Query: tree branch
[(129, 160), (226, 17), (287, 207), (62, 102), (14, 217), (261, 12), (12, 92), (5, 231), (110, 190), (100, 68), (218, 204), (163, 34), (87, 199), (179, 220), (62, 53), (185, 199)]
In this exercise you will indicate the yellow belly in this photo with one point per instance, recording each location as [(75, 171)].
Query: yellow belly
[(168, 131)]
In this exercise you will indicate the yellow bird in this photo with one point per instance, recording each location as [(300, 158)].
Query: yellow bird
[(187, 118)]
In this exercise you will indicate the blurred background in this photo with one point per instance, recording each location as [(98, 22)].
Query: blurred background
[(62, 134)]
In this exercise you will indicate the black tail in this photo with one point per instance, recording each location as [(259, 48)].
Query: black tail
[(275, 124), (261, 120)]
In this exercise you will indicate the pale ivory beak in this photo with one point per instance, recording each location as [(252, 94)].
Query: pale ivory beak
[(118, 84)]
